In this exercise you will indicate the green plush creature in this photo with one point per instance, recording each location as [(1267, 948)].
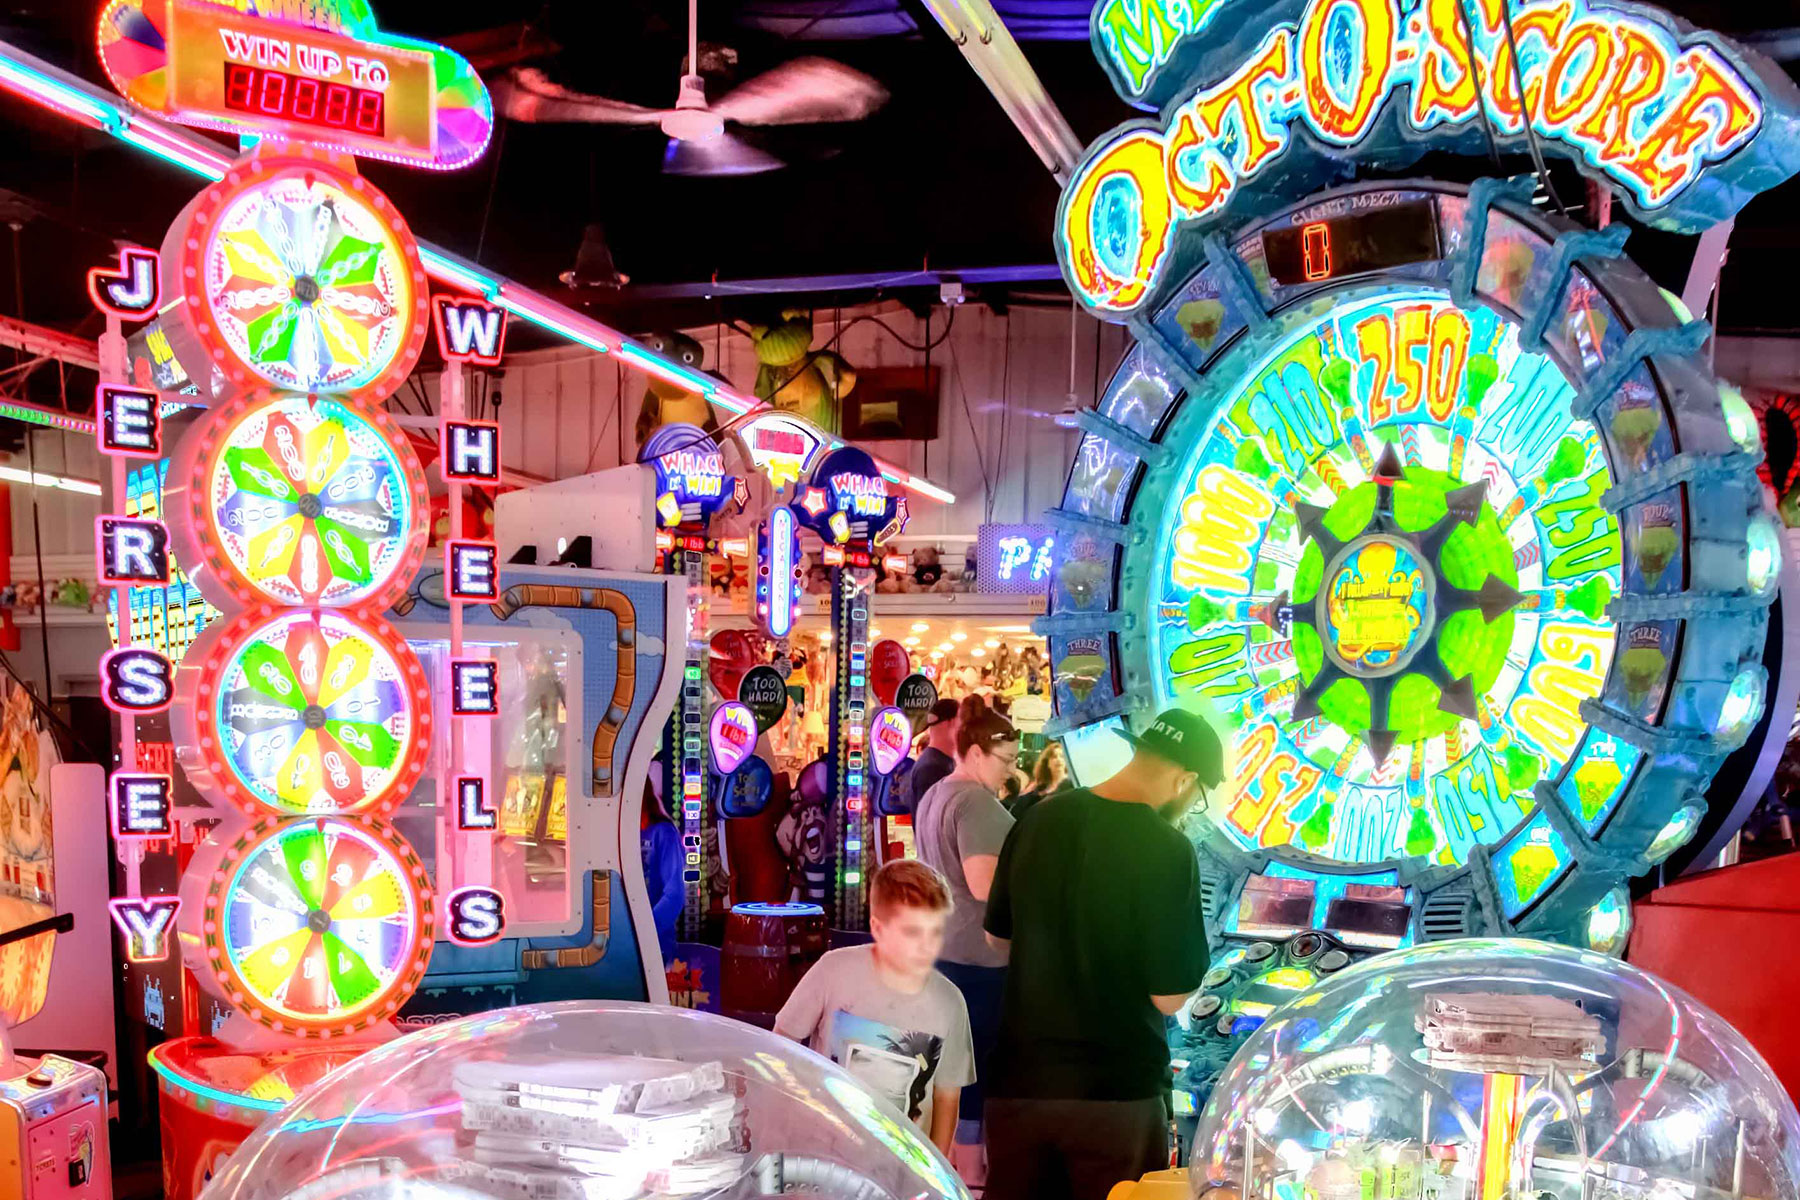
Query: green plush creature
[(666, 402), (792, 377)]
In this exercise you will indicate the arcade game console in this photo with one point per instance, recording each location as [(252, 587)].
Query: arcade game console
[(1428, 496)]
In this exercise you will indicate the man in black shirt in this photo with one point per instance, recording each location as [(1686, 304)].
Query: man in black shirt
[(1098, 895), (938, 758)]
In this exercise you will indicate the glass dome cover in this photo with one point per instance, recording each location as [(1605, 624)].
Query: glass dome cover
[(587, 1100), (1482, 1070)]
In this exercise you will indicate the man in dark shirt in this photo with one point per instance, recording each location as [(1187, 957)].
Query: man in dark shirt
[(938, 758), (1098, 895)]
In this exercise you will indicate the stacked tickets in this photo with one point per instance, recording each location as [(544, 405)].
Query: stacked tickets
[(612, 1128), (1509, 1034)]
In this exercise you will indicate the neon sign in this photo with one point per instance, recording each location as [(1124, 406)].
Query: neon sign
[(691, 483), (731, 735), (890, 736), (1013, 558), (473, 331), (846, 499), (779, 583), (316, 72), (132, 290), (1630, 102)]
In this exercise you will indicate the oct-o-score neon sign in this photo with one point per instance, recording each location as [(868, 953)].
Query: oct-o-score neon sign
[(1614, 89)]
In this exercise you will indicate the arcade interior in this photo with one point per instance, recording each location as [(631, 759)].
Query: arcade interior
[(452, 697)]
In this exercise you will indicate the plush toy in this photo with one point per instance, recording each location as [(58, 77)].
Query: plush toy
[(666, 402), (926, 568), (794, 378)]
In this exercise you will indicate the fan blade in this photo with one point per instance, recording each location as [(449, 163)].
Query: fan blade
[(527, 94), (502, 46), (807, 91), (723, 155)]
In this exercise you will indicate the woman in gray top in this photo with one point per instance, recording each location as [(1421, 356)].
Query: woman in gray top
[(959, 827)]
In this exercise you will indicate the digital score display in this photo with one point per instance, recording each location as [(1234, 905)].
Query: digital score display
[(304, 101), (1370, 240), (244, 74)]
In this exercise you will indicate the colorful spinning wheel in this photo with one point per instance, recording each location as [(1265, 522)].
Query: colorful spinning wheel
[(296, 501), (317, 927), (295, 272), (304, 712)]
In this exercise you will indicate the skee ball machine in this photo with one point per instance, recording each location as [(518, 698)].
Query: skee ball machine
[(295, 299), (1430, 499)]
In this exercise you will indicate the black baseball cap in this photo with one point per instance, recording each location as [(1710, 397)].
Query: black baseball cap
[(1185, 739), (943, 710)]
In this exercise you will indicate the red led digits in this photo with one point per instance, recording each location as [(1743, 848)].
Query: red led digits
[(1315, 247)]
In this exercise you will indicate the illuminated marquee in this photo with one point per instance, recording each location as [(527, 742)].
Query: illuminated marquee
[(317, 72), (691, 483), (1674, 121), (847, 499)]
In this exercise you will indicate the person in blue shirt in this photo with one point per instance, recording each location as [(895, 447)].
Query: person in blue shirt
[(660, 842)]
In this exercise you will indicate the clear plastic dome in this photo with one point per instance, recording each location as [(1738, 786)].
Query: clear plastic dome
[(587, 1100), (1496, 1070)]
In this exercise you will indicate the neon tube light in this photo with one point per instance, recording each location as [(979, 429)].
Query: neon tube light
[(645, 361), (31, 78), (86, 487)]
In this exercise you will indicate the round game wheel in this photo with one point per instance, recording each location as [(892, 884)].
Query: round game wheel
[(293, 271), (303, 711), (1466, 557), (316, 927), (293, 500)]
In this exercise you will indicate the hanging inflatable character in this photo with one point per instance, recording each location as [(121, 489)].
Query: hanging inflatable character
[(794, 378), (665, 401)]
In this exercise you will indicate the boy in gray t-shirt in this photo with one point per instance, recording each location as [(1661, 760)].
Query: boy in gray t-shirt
[(884, 1013)]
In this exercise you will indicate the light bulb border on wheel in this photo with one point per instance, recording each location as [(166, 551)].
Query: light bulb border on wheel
[(184, 250), (197, 731), (376, 1010)]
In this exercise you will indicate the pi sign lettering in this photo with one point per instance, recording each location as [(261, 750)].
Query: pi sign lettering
[(471, 331), (471, 451), (146, 924), (477, 915), (472, 809), (130, 291), (474, 687), (131, 551), (130, 421)]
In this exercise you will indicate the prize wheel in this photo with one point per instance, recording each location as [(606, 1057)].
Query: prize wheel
[(1461, 548), (303, 712), (293, 271), (286, 499), (316, 927)]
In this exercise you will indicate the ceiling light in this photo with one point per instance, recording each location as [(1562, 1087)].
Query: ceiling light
[(946, 646), (978, 652), (992, 643), (912, 641), (874, 631), (959, 636), (86, 487), (921, 626), (937, 654), (825, 637)]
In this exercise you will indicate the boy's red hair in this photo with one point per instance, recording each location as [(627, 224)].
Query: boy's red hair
[(909, 883)]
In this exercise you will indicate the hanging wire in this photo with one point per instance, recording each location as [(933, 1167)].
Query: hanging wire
[(1487, 124), (1518, 73)]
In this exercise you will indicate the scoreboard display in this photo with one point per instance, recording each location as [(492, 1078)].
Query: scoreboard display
[(245, 74), (1314, 250)]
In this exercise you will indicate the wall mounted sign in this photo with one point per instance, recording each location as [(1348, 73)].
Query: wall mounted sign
[(1013, 559), (1685, 126)]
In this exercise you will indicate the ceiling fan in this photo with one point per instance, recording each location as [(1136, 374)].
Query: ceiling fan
[(802, 92)]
